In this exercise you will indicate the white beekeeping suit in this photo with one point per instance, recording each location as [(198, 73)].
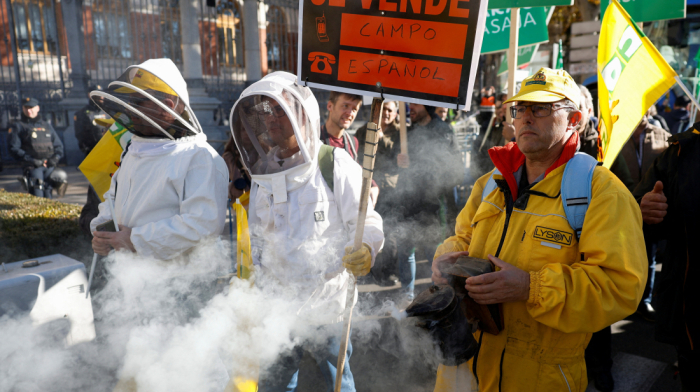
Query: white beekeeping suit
[(299, 226), (171, 186)]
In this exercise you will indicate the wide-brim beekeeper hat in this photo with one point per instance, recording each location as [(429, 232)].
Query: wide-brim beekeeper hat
[(152, 95)]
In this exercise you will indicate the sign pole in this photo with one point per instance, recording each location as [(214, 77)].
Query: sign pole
[(367, 170), (402, 129), (512, 54)]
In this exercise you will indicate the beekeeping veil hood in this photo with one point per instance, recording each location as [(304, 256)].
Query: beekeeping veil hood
[(275, 124), (151, 100)]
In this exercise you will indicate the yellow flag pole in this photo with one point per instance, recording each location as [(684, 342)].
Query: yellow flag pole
[(248, 382)]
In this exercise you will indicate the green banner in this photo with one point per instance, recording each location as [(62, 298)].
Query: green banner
[(494, 4), (649, 10), (525, 56), (533, 29)]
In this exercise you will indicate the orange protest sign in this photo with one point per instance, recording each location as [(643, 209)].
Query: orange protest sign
[(403, 35), (421, 51), (423, 76)]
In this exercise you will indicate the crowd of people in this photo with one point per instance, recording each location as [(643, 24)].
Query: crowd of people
[(574, 245)]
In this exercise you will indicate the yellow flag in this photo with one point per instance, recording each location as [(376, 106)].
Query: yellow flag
[(249, 382), (240, 384), (244, 260), (104, 159), (632, 75)]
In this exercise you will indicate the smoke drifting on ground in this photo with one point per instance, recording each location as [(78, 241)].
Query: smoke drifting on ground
[(168, 326)]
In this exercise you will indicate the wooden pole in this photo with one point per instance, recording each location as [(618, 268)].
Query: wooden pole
[(402, 129), (367, 169), (513, 54), (110, 203)]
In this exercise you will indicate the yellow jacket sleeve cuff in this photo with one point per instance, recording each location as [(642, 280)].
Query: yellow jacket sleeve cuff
[(448, 247), (535, 280)]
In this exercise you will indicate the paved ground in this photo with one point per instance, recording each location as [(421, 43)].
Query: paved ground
[(381, 364)]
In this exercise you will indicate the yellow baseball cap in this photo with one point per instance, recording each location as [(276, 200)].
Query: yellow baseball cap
[(145, 81), (548, 85)]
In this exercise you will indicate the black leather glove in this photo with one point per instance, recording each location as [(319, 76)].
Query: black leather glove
[(51, 162), (38, 162)]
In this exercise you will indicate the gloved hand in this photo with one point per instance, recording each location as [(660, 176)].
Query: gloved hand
[(38, 162), (360, 262), (51, 162)]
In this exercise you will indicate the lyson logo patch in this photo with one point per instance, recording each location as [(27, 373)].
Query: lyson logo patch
[(539, 78), (551, 235)]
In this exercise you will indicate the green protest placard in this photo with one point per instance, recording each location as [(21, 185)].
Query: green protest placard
[(525, 56), (494, 4), (533, 29), (649, 10)]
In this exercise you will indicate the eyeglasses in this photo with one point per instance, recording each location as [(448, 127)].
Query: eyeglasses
[(538, 109), (278, 111)]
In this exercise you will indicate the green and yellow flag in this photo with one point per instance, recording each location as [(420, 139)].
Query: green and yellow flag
[(632, 75), (104, 159)]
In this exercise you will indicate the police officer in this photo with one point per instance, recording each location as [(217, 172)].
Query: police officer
[(37, 146), (87, 131)]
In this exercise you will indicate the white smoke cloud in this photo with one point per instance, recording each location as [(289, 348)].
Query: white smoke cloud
[(168, 327)]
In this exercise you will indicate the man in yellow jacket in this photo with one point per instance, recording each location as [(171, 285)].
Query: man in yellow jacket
[(555, 289)]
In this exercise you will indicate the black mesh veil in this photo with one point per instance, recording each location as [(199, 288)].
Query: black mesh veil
[(147, 105)]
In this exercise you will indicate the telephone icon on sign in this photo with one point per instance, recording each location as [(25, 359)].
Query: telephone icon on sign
[(321, 62), (321, 29)]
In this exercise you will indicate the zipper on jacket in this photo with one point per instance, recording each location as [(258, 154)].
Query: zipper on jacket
[(500, 376), (476, 358), (509, 211), (564, 375)]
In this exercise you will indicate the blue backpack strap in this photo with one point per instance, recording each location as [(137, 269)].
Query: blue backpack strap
[(576, 189), (490, 185)]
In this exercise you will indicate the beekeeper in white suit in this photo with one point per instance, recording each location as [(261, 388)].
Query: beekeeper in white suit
[(301, 227), (170, 191)]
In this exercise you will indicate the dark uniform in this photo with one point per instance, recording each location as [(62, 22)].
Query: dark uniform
[(37, 146), (676, 288), (87, 131)]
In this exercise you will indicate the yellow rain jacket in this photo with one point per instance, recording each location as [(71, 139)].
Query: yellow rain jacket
[(577, 287)]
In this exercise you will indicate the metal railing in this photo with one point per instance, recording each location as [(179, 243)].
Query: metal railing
[(223, 52), (282, 34), (32, 59), (125, 32), (119, 33), (33, 62)]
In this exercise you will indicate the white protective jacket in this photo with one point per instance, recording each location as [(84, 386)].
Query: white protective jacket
[(300, 226), (171, 193)]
